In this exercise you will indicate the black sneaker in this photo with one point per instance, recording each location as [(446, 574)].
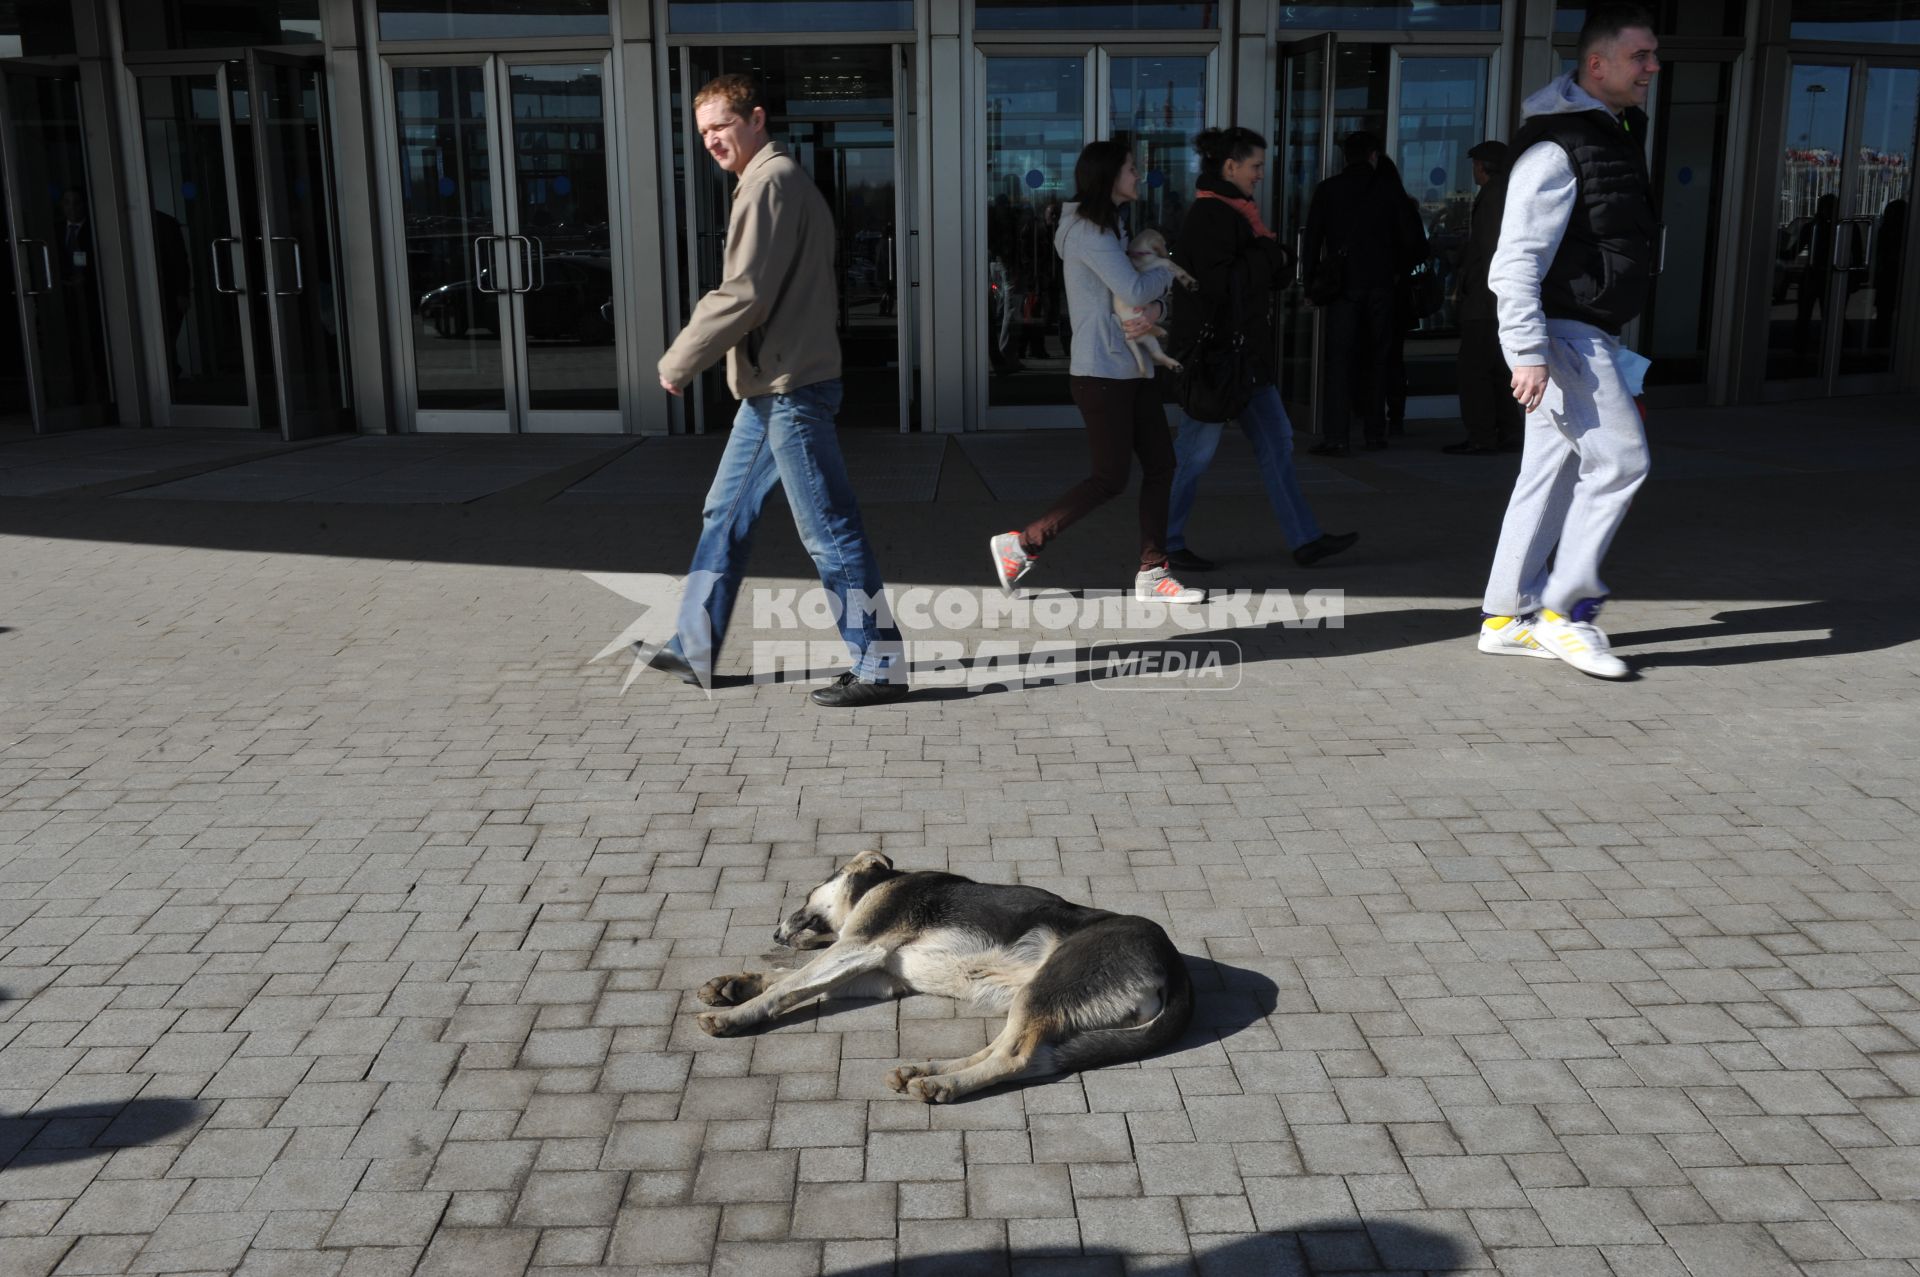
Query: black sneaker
[(1187, 561), (1324, 547), (667, 661), (848, 692), (1468, 448)]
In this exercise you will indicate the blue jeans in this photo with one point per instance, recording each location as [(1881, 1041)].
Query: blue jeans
[(1271, 434), (788, 440)]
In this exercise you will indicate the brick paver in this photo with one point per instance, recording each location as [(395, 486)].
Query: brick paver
[(351, 917)]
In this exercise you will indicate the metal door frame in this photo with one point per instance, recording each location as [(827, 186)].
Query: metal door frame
[(45, 420), (257, 59), (140, 189), (1830, 382), (1327, 45), (1096, 116)]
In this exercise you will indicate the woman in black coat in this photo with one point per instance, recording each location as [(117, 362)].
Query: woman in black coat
[(1229, 251)]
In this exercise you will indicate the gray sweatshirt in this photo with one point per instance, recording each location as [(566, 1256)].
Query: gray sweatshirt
[(1097, 271), (1540, 196)]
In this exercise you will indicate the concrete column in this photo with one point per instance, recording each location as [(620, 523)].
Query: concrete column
[(114, 217), (952, 322), (637, 128), (356, 153)]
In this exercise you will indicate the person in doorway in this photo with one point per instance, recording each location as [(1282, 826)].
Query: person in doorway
[(1487, 407), (773, 318), (1816, 241), (1889, 264), (1118, 401), (1353, 224), (1573, 265), (1225, 245), (176, 284), (80, 298)]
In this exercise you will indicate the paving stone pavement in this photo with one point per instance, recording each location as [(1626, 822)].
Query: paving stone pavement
[(351, 915)]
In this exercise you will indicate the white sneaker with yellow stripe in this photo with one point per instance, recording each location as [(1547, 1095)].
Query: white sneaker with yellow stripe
[(1581, 644), (1510, 636)]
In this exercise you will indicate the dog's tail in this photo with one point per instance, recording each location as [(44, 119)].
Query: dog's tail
[(1096, 1048)]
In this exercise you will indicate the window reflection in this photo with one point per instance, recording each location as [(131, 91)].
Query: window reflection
[(1876, 21), (36, 28), (1067, 15), (490, 19), (719, 17), (190, 24), (1393, 15)]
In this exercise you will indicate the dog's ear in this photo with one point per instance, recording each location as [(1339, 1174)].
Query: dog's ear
[(869, 860)]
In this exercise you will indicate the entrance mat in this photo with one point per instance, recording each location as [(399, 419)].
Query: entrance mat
[(392, 470), (886, 469), (1039, 465)]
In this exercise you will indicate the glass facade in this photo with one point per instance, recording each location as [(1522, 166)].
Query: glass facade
[(35, 28), (491, 19), (1671, 17), (1870, 21), (1392, 15), (1078, 15), (721, 17), (198, 24)]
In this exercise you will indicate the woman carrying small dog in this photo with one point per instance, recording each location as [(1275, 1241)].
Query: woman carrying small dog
[(1119, 403), (1223, 243)]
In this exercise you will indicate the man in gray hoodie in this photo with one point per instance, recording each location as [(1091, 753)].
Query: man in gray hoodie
[(1577, 246)]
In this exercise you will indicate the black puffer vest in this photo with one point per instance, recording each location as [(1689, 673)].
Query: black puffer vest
[(1602, 272)]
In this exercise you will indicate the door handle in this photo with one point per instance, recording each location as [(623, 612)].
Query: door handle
[(890, 260), (480, 272), (299, 275), (46, 266), (218, 287), (1660, 252), (536, 251), (1300, 256)]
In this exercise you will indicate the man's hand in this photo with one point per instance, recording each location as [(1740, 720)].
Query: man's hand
[(670, 388), (1530, 385)]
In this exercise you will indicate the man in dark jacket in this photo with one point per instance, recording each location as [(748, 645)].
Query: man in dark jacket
[(1354, 225), (1487, 407)]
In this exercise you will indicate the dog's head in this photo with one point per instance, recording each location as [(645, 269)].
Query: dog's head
[(1146, 246), (816, 923)]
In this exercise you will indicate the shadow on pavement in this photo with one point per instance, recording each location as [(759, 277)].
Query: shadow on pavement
[(1351, 1247), (80, 1131), (1850, 627)]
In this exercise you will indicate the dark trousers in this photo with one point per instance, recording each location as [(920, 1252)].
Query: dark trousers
[(1359, 339), (1487, 406), (1124, 419)]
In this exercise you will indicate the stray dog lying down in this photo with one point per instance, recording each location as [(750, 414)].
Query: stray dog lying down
[(1081, 987)]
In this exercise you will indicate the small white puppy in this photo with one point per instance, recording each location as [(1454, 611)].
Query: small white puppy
[(1146, 249)]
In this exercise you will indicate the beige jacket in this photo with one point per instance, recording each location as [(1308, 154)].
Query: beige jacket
[(775, 312)]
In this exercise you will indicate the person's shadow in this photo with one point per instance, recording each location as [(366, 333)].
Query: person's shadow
[(1850, 628), (50, 1137), (1347, 1246)]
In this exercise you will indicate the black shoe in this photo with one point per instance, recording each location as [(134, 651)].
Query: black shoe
[(1468, 448), (1374, 445), (1188, 561), (667, 661), (848, 692), (1330, 450), (1324, 547)]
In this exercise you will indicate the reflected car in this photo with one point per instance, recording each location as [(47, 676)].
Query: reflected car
[(564, 305)]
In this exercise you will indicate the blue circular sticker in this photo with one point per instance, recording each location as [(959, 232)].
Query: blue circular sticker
[(1156, 179), (1685, 175), (562, 185), (189, 190), (1438, 177), (446, 186), (1036, 179)]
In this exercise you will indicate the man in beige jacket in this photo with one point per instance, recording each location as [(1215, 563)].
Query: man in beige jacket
[(773, 316)]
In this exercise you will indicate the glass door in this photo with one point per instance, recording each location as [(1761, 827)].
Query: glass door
[(1038, 112), (506, 216), (842, 113), (1843, 220), (58, 353), (296, 249), (1297, 162)]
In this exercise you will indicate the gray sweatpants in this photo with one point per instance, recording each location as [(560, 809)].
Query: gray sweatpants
[(1585, 455)]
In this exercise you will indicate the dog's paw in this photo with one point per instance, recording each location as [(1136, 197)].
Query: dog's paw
[(716, 1025), (731, 990), (898, 1078), (932, 1090)]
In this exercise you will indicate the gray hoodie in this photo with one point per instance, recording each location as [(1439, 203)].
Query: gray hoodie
[(1540, 197), (1097, 271)]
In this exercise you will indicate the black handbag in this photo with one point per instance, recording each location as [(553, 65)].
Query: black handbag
[(1329, 278), (1215, 381)]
